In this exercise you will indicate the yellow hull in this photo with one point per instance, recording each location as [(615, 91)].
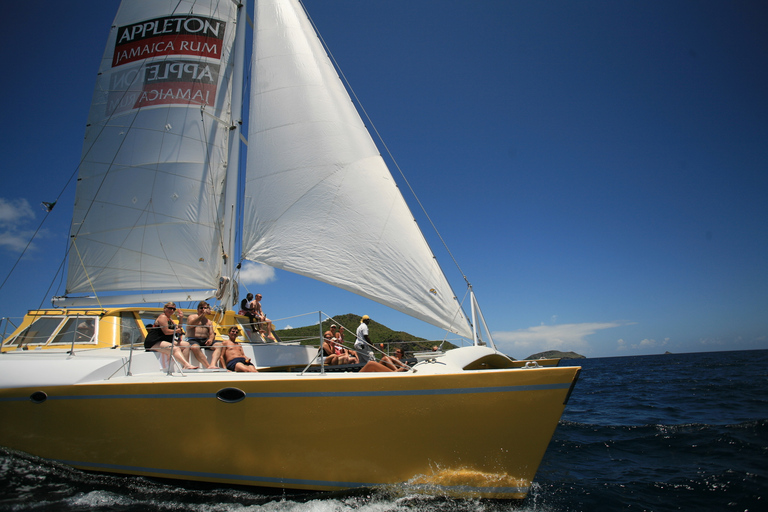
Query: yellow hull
[(474, 433)]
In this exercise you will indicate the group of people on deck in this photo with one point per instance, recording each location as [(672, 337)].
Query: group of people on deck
[(366, 355), (333, 348), (166, 336), (250, 306), (335, 353)]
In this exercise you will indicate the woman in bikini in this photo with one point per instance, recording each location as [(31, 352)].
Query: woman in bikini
[(160, 337)]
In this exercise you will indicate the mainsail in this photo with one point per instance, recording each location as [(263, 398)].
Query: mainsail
[(319, 199), (149, 195)]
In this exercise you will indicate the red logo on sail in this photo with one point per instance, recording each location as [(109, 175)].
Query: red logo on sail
[(171, 35), (166, 82)]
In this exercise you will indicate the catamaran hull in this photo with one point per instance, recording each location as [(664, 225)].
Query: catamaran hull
[(477, 433)]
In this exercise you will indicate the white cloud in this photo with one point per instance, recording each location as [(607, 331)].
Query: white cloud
[(14, 211), (550, 337), (643, 344), (15, 241), (256, 273), (13, 215)]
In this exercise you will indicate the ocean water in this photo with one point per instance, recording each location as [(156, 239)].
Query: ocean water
[(659, 433)]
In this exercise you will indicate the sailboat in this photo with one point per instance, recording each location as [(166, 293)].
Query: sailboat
[(182, 163)]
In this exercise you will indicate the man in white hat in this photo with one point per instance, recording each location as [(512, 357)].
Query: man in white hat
[(363, 342)]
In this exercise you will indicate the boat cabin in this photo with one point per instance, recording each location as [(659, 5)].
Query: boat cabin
[(72, 329)]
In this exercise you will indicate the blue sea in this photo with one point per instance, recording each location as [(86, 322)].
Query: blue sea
[(658, 433)]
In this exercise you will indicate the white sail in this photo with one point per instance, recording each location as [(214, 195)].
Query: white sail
[(319, 199), (149, 196)]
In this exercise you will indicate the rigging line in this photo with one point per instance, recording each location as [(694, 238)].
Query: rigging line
[(109, 168), (143, 212), (214, 7), (381, 139), (211, 212), (61, 192), (30, 242), (151, 211), (74, 244), (59, 272), (72, 175), (104, 125)]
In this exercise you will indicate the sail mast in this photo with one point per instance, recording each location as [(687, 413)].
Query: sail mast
[(231, 223)]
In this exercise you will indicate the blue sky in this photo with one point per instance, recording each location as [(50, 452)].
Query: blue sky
[(599, 170)]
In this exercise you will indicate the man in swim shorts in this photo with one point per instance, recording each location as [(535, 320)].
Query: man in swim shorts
[(201, 333), (234, 357)]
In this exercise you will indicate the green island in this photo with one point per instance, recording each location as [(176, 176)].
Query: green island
[(556, 354), (379, 333)]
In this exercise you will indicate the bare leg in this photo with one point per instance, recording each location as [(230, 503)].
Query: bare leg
[(184, 348), (217, 350), (240, 367), (373, 366), (197, 351), (165, 348), (179, 354), (386, 361)]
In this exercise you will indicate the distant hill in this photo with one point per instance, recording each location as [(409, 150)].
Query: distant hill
[(379, 333), (556, 354)]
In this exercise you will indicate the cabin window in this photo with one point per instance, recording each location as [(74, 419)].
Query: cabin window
[(247, 333), (148, 317), (38, 332), (80, 329), (130, 332)]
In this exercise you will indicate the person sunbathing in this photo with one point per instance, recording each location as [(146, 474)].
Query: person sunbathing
[(233, 356)]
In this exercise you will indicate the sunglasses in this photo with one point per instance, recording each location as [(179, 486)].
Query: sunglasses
[(169, 307)]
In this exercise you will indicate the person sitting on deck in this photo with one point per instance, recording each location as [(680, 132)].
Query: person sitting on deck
[(263, 323), (234, 358), (338, 345), (331, 358), (337, 335), (364, 349), (245, 310), (202, 333), (399, 360), (160, 337), (373, 366), (335, 351)]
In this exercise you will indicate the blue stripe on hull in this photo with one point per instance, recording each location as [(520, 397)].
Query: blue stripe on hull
[(316, 394)]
